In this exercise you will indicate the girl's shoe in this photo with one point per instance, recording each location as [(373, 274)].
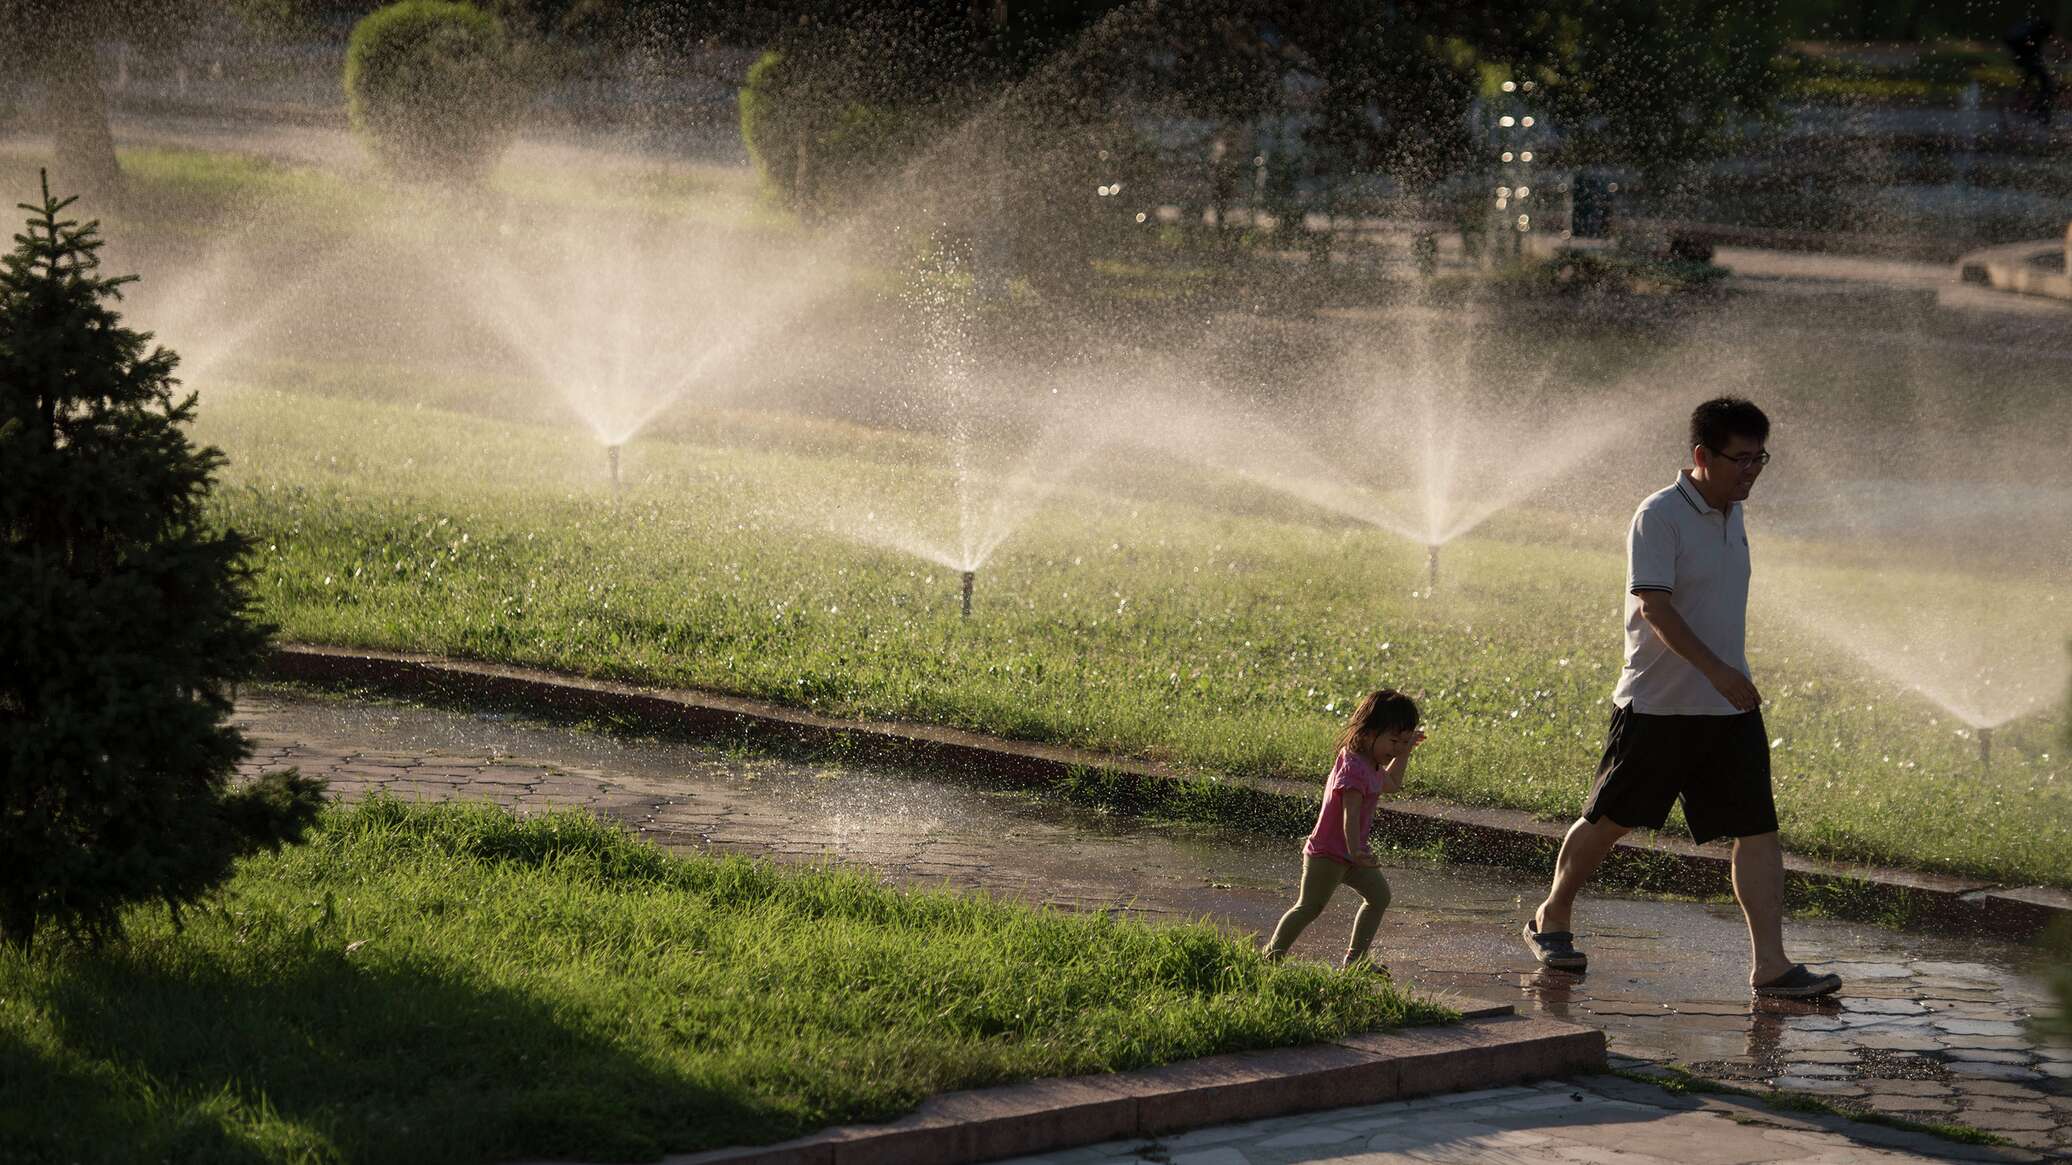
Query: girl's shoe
[(1367, 965)]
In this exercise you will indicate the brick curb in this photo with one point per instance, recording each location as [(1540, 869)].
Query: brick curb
[(1510, 837), (1046, 1115)]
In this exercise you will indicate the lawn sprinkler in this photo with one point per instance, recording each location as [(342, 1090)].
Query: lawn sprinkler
[(1985, 748), (611, 454), (970, 576), (1432, 569)]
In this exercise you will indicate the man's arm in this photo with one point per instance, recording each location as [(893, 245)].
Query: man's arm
[(1656, 611)]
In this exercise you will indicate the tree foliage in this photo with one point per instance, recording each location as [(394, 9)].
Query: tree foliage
[(434, 87), (1655, 85), (123, 621)]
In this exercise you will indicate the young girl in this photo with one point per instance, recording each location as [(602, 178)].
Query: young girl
[(1373, 752)]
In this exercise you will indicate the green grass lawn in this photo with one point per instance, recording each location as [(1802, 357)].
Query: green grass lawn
[(1164, 614), (450, 983)]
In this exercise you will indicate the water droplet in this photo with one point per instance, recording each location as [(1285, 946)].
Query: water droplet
[(1526, 156), (1510, 86), (1526, 122), (1507, 121)]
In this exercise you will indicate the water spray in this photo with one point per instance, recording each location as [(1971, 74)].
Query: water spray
[(1432, 569), (611, 454), (970, 576), (1985, 748)]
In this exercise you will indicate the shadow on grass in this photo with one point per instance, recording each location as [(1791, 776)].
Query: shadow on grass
[(166, 1054)]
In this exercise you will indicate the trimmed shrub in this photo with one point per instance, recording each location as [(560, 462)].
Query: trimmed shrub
[(434, 88), (123, 622), (814, 146)]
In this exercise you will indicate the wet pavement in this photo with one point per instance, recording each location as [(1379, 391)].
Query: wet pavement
[(1595, 1120), (1928, 1027)]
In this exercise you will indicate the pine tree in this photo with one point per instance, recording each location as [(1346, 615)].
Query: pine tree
[(123, 616)]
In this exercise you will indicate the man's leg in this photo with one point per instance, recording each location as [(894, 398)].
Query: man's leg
[(1582, 851), (1759, 888)]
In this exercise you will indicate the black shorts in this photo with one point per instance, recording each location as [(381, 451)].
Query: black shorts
[(1720, 765)]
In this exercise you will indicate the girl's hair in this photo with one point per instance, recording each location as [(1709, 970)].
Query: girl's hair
[(1387, 710)]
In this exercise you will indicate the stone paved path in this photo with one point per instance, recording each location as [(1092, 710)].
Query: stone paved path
[(1597, 1120), (1929, 1028)]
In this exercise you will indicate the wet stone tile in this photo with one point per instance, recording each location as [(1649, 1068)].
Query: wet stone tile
[(2001, 1121), (1916, 1088), (1822, 1071), (1978, 971), (1882, 1006), (1825, 1056), (1994, 1088), (1816, 1084), (1977, 1027), (2007, 1104), (1997, 1043), (1982, 1071), (1912, 1104), (1850, 971), (1989, 1056)]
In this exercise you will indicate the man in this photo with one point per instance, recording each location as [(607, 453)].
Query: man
[(1686, 718), (2026, 42)]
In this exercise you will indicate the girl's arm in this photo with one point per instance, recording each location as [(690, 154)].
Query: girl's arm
[(1392, 772), (1352, 806)]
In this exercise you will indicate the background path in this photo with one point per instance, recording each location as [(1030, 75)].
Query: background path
[(1928, 1027)]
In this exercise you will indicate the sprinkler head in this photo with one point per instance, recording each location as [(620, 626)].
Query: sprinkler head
[(611, 453), (970, 576)]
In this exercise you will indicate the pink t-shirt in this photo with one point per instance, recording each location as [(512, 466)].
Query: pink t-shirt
[(1328, 839)]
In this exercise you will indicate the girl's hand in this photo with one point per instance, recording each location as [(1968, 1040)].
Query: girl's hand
[(1366, 859)]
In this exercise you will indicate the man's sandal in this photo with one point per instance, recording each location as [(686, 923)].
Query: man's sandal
[(1799, 983), (1555, 949)]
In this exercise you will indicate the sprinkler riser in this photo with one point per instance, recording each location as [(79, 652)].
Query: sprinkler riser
[(1431, 569), (611, 453), (970, 576), (1985, 748)]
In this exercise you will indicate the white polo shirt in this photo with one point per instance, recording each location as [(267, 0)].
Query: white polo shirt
[(1682, 545)]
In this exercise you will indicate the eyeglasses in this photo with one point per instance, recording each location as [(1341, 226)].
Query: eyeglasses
[(1744, 460)]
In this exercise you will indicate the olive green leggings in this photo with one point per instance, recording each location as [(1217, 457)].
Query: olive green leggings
[(1320, 877)]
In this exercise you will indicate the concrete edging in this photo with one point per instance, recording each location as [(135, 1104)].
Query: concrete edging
[(1500, 836), (987, 1124)]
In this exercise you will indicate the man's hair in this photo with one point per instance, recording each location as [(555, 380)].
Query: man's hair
[(1723, 418)]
